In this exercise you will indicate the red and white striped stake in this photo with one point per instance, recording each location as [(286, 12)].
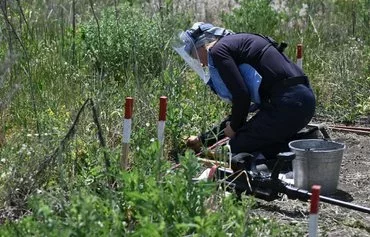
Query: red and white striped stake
[(162, 118), (300, 55), (129, 104), (314, 210)]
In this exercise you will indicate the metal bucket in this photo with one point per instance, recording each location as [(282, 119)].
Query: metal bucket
[(317, 162)]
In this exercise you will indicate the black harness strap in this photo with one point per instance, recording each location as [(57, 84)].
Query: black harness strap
[(271, 42)]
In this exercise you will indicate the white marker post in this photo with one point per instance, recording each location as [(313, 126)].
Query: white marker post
[(126, 132), (160, 131), (300, 55), (314, 209), (162, 119)]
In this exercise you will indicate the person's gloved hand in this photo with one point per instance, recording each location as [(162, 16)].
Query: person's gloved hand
[(194, 143), (229, 132)]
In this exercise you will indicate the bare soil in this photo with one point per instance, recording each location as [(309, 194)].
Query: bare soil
[(354, 187)]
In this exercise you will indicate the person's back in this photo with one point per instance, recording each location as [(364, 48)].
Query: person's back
[(259, 53)]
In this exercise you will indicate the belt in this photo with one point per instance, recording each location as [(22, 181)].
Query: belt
[(283, 84), (290, 81)]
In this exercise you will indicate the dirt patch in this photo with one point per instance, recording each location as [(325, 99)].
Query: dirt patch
[(354, 186)]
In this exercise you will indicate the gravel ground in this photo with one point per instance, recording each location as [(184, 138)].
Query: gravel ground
[(353, 187)]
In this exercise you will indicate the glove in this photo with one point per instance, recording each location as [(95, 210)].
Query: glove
[(194, 143)]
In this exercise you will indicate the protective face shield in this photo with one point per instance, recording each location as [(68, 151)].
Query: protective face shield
[(184, 45)]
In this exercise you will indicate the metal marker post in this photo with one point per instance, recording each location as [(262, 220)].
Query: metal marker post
[(300, 55), (126, 132), (314, 209)]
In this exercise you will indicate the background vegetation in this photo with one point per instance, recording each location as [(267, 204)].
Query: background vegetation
[(66, 69)]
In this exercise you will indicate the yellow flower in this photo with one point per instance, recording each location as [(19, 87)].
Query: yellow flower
[(50, 112)]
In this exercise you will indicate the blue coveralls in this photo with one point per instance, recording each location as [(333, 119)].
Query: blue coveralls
[(285, 106)]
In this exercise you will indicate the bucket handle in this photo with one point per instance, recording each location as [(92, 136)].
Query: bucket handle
[(316, 149)]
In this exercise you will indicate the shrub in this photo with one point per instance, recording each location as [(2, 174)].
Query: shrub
[(132, 43)]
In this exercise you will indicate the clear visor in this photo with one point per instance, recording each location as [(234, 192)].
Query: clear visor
[(183, 44)]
